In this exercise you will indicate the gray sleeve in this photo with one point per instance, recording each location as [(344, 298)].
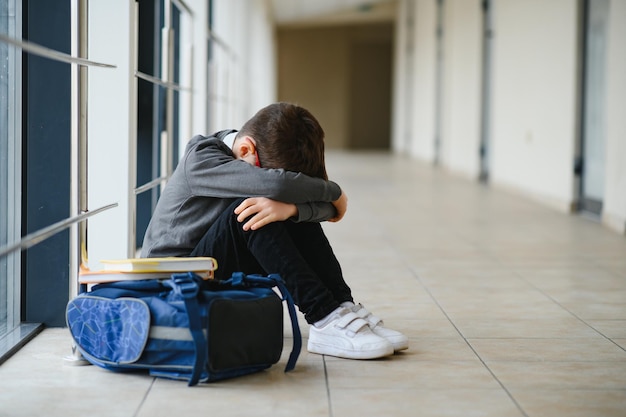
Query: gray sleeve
[(315, 212), (212, 171)]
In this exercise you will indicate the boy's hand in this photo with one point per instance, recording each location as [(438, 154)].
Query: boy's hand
[(261, 211), (341, 205)]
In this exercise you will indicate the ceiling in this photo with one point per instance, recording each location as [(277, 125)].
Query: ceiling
[(329, 12)]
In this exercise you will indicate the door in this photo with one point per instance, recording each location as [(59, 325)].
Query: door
[(486, 91), (593, 107), (370, 95), (439, 81)]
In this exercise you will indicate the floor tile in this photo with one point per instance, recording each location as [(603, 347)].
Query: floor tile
[(423, 311), (560, 375), (271, 392), (546, 350), (572, 403), (451, 402), (440, 349), (37, 381), (504, 308), (597, 310), (406, 371), (613, 329), (566, 327), (574, 277), (425, 328), (440, 280)]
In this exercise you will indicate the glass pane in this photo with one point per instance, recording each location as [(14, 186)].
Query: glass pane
[(9, 168)]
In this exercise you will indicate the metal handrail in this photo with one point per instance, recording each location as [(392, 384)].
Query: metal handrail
[(39, 50), (43, 234), (158, 81), (182, 5), (150, 185)]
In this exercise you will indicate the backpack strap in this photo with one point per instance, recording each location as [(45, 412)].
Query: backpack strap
[(297, 336), (186, 285), (275, 280)]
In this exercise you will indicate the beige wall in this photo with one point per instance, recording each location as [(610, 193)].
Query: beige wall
[(369, 95), (316, 70)]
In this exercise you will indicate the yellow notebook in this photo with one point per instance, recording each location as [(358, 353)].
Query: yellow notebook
[(169, 264), (147, 268)]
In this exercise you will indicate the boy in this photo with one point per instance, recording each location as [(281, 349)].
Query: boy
[(254, 200)]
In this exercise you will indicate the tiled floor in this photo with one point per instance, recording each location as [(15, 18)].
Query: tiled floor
[(512, 310)]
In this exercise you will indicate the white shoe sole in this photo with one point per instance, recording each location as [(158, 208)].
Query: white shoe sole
[(320, 349), (399, 345), (399, 342)]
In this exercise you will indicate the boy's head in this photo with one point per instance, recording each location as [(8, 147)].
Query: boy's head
[(283, 135)]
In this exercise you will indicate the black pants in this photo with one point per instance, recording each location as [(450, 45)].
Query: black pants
[(299, 252)]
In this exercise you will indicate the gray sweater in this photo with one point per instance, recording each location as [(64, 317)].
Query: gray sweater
[(208, 179)]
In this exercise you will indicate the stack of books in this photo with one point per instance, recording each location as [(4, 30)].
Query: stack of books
[(147, 268)]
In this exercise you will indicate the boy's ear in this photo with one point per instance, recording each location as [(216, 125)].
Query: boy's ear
[(245, 147)]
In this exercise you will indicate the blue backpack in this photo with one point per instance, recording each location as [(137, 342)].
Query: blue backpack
[(184, 327)]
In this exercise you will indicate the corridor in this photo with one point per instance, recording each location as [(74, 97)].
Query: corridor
[(512, 309)]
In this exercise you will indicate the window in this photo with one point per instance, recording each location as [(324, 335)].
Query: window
[(10, 168), (164, 99)]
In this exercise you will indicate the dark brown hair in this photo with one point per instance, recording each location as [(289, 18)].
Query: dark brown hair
[(288, 136)]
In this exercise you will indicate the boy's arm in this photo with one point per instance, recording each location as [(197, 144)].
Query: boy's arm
[(315, 212), (341, 205), (211, 170), (259, 211), (321, 211)]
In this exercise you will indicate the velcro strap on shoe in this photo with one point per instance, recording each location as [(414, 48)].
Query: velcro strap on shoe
[(363, 313), (351, 321)]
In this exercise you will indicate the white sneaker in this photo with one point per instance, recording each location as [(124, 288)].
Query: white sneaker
[(347, 336), (397, 339)]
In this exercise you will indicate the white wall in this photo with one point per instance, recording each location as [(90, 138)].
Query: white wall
[(614, 211), (424, 80), (111, 119), (262, 58), (243, 75), (535, 93), (535, 98), (400, 92), (415, 83), (200, 69), (461, 110)]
